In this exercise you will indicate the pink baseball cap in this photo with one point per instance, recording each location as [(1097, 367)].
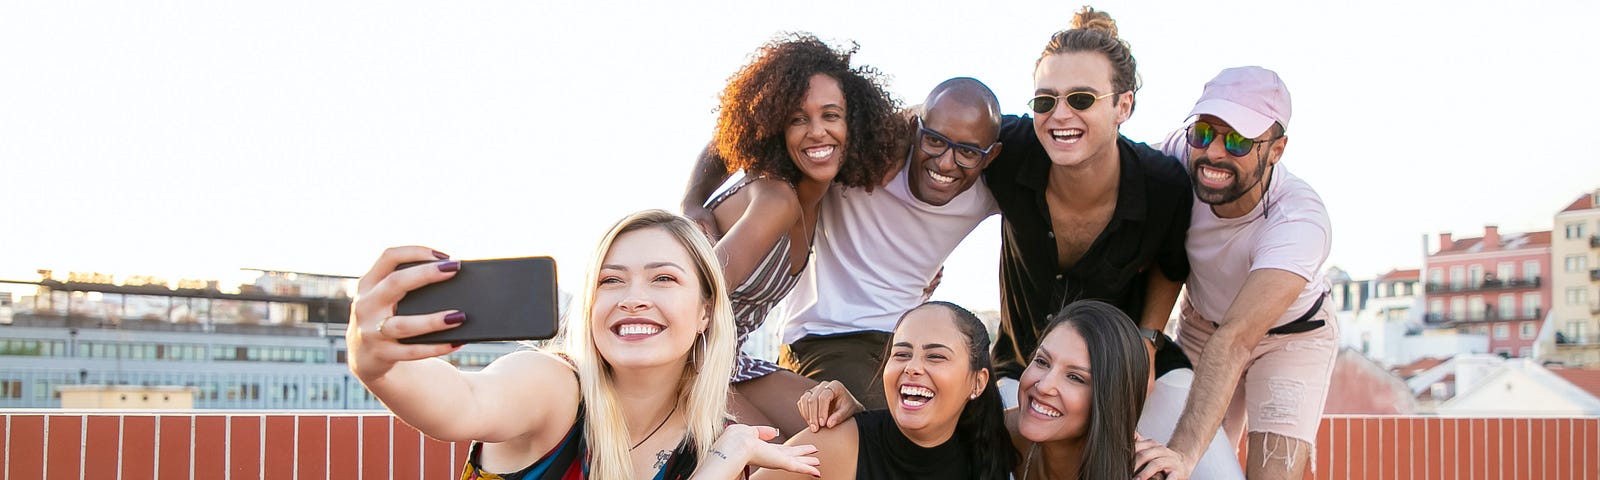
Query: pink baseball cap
[(1249, 99)]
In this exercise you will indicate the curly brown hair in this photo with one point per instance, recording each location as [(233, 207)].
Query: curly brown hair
[(762, 96)]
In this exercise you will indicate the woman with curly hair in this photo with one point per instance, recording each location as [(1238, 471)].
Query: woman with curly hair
[(797, 120)]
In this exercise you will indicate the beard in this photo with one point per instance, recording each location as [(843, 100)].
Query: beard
[(1224, 195)]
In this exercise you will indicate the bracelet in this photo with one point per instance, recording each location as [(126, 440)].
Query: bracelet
[(1156, 338)]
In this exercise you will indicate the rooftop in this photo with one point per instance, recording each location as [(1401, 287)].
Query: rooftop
[(1509, 241), (1584, 202)]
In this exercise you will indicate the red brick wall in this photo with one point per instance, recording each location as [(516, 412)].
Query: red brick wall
[(222, 445), (39, 445)]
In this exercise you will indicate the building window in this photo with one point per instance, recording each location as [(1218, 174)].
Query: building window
[(1576, 263), (1527, 331), (1577, 295), (1475, 275), (1458, 308), (1436, 276), (1505, 271), (1481, 330), (1576, 331), (1458, 277), (1508, 305), (1476, 308), (1575, 230), (1502, 331), (1436, 306), (1525, 352), (1406, 287), (1530, 269)]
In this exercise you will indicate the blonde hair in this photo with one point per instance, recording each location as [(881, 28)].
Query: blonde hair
[(703, 390)]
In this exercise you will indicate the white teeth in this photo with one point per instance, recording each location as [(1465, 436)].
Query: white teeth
[(1068, 135), (941, 178), (1044, 409), (638, 329), (820, 152), (1214, 173), (916, 391)]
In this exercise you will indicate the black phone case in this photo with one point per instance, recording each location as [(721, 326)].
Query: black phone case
[(504, 299)]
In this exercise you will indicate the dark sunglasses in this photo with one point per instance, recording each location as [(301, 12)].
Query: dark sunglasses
[(1201, 134), (934, 144), (1079, 101)]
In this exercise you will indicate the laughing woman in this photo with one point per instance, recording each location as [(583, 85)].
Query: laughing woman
[(797, 120), (640, 392), (944, 419)]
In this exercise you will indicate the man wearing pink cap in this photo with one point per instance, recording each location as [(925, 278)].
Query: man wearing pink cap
[(1253, 319)]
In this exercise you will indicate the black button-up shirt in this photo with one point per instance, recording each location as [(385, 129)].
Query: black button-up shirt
[(1147, 228)]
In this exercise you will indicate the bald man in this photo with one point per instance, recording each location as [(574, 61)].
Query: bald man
[(876, 253)]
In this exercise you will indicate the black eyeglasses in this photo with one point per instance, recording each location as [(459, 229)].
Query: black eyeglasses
[(934, 145), (1079, 101), (1201, 134)]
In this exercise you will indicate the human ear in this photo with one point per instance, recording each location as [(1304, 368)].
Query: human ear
[(1276, 151)]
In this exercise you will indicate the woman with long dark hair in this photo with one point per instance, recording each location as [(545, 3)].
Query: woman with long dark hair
[(1080, 396), (944, 418)]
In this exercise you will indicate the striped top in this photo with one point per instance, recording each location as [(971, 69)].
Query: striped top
[(756, 295)]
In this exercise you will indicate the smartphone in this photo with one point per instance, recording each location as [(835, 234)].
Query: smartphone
[(504, 299)]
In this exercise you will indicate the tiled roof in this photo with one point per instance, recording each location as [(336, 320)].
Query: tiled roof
[(1584, 202), (1399, 275), (1509, 241), (1586, 379), (1421, 365)]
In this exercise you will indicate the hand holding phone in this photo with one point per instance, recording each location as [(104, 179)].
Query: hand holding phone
[(504, 299)]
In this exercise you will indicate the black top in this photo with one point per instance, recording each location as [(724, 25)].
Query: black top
[(885, 453), (1147, 228)]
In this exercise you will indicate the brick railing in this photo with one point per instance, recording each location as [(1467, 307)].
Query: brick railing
[(53, 444)]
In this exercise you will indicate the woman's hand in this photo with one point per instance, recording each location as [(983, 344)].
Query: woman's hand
[(374, 327), (1152, 460), (742, 445), (827, 404)]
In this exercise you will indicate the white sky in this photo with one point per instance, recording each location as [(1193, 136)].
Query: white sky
[(189, 139)]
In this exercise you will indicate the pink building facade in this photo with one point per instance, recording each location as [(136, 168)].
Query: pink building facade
[(1496, 285)]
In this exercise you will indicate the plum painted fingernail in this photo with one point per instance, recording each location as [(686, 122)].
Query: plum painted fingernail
[(441, 255), (449, 266), (454, 318)]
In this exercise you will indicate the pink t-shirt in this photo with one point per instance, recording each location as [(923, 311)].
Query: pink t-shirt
[(1293, 235)]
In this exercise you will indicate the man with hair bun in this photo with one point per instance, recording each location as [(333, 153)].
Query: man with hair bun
[(1253, 319), (1089, 214)]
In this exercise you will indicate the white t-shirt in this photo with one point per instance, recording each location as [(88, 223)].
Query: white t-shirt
[(875, 253), (1293, 235)]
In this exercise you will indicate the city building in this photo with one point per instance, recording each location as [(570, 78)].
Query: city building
[(1494, 285), (1382, 319), (276, 343), (1575, 283)]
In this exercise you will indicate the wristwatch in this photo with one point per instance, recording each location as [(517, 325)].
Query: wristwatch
[(1156, 338)]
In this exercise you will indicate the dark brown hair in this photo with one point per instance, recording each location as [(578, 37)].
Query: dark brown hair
[(1119, 369), (762, 96), (1094, 31)]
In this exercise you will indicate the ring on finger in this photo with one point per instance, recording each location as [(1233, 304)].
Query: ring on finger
[(380, 326)]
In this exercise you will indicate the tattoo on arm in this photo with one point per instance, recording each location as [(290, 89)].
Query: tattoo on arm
[(719, 454)]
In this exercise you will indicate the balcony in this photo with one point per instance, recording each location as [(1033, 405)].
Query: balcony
[(1564, 338), (1594, 241), (1594, 275), (201, 444), (1489, 283), (1489, 314)]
